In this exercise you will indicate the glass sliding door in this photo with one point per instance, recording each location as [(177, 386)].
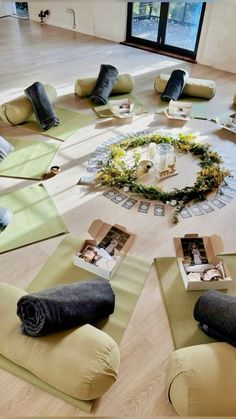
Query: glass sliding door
[(182, 25), (145, 20), (172, 26)]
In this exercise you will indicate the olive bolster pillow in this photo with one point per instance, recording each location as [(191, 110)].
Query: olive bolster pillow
[(124, 84), (201, 380), (20, 109), (193, 87), (81, 362), (234, 101)]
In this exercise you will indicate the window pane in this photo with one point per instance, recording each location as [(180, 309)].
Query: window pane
[(145, 20), (182, 24)]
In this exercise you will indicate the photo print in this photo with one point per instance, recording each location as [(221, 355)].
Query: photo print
[(99, 257), (194, 251), (115, 239)]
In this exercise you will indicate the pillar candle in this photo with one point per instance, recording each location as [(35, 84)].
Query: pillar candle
[(151, 151)]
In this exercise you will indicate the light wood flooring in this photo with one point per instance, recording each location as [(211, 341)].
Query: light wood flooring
[(31, 52)]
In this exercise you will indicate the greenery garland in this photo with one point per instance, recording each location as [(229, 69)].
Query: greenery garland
[(210, 177)]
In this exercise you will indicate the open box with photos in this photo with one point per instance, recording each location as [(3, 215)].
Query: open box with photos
[(179, 110), (199, 265), (121, 108), (227, 122), (103, 252)]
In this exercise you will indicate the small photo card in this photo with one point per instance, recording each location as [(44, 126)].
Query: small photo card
[(218, 203), (159, 209), (144, 207), (206, 207), (130, 203), (194, 251), (119, 198), (196, 210), (185, 213), (111, 193)]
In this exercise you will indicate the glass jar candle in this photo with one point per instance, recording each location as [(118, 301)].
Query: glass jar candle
[(164, 156)]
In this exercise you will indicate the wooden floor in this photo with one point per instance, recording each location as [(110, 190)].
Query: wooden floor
[(31, 52)]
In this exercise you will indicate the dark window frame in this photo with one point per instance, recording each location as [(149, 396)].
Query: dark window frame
[(159, 44)]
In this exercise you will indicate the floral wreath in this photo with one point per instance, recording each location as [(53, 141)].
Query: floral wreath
[(210, 177)]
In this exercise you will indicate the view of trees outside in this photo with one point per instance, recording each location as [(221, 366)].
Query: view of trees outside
[(182, 24)]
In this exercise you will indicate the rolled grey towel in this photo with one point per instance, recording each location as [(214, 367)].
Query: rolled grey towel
[(5, 148), (5, 218), (175, 85), (65, 306), (216, 314), (42, 107), (103, 87)]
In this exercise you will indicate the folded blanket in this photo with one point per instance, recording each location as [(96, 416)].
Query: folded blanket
[(103, 87), (42, 107), (5, 148), (175, 85), (65, 306), (5, 218), (216, 313)]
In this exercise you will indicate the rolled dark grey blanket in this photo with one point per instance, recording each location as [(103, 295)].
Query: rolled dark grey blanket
[(216, 314), (103, 87), (175, 85), (65, 306), (5, 148), (42, 107)]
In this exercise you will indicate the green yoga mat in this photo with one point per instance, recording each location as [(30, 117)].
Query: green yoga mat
[(70, 122), (180, 303), (127, 284), (35, 218), (103, 111), (199, 106), (29, 159)]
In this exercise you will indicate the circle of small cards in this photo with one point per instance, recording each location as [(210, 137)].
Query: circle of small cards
[(209, 178)]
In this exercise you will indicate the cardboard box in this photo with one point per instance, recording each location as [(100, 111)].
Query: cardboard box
[(103, 253), (211, 246), (122, 108), (179, 110)]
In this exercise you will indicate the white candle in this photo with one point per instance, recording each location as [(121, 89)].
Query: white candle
[(151, 151)]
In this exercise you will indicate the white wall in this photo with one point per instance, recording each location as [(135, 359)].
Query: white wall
[(5, 9), (217, 46), (102, 19)]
